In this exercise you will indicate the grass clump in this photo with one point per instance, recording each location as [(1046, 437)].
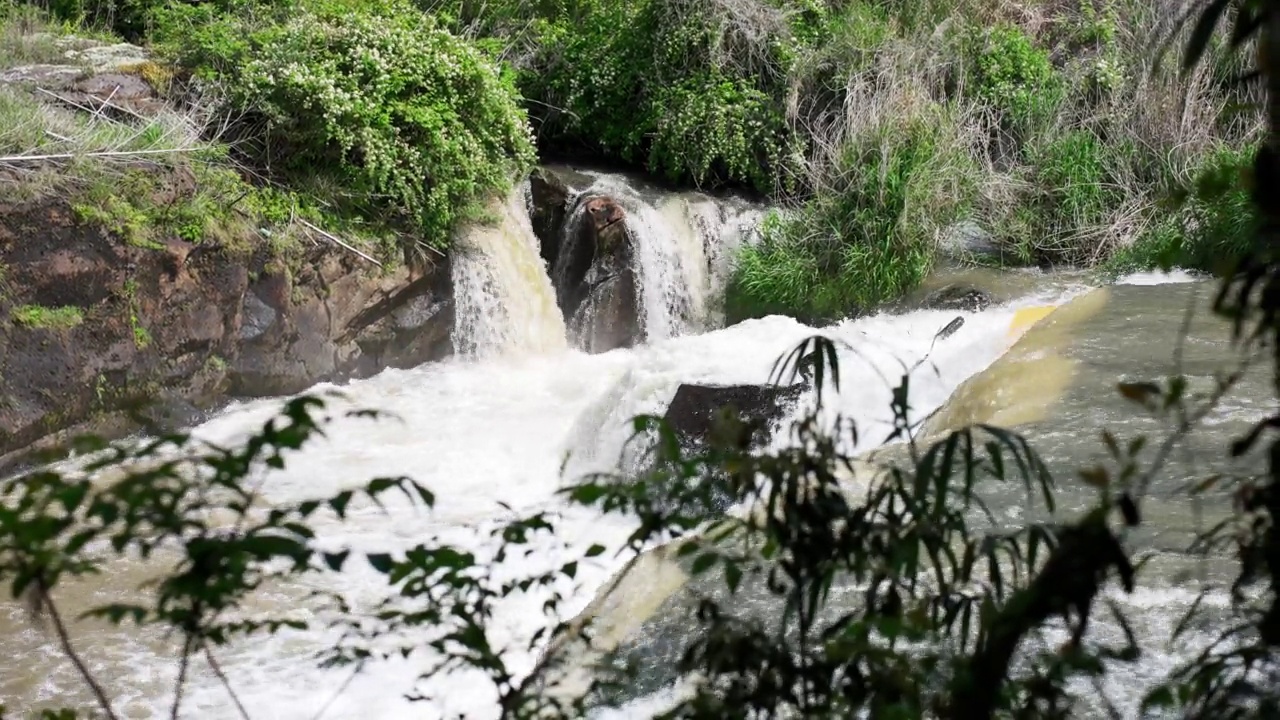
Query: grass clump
[(47, 318), (868, 234), (1208, 227)]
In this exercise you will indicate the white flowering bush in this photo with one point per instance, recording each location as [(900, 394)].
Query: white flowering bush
[(409, 117)]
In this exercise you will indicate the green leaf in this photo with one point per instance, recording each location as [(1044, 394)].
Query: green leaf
[(595, 550), (336, 560), (381, 562), (704, 562), (732, 575), (340, 501)]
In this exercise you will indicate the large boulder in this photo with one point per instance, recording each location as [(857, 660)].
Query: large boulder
[(594, 276), (695, 409), (704, 417)]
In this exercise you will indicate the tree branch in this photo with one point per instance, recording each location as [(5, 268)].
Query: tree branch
[(65, 640)]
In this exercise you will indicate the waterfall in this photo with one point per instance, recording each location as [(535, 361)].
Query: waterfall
[(505, 302), (681, 249)]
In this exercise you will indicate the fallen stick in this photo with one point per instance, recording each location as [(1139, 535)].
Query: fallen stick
[(101, 153), (337, 240)]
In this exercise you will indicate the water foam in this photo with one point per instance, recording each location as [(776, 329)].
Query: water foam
[(504, 299), (497, 429), (683, 244)]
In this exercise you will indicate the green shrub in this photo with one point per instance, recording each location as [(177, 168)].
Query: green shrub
[(690, 91), (865, 238), (1210, 228), (413, 123), (1015, 76), (1073, 190), (49, 318)]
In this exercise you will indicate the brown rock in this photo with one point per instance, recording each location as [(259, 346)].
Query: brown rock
[(183, 325)]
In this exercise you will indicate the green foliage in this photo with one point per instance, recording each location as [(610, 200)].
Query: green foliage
[(864, 239), (1073, 190), (691, 89), (47, 318), (1015, 76), (1209, 227), (407, 118)]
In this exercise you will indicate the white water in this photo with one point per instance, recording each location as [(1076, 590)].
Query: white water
[(496, 428), (683, 244), (504, 299)]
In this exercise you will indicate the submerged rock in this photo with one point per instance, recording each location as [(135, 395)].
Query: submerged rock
[(957, 297)]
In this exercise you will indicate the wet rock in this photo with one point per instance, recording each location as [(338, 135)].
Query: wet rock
[(594, 277), (694, 410), (549, 203), (957, 297), (91, 326)]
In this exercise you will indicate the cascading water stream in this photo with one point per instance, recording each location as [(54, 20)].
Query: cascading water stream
[(504, 299), (681, 245), (494, 427)]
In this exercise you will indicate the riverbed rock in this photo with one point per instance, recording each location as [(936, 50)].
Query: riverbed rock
[(694, 411), (957, 296), (594, 276), (91, 325)]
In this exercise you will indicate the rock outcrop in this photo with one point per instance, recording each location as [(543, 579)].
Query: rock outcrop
[(590, 256), (90, 324), (694, 410), (594, 276)]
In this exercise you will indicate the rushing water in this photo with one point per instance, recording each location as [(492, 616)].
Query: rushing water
[(490, 428)]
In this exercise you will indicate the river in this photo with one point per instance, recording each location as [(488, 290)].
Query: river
[(495, 426)]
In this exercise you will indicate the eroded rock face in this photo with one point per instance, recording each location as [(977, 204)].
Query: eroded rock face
[(90, 324), (594, 277)]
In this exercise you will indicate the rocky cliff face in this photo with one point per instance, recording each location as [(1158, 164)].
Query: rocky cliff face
[(90, 325), (590, 256)]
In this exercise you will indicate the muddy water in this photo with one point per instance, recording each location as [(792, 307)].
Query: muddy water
[(1058, 387)]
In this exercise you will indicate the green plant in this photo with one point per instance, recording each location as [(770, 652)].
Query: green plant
[(47, 318), (1073, 190), (141, 336), (1014, 75), (405, 117), (1207, 226), (864, 238)]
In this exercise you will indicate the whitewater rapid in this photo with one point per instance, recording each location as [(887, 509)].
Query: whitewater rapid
[(483, 432), (493, 427)]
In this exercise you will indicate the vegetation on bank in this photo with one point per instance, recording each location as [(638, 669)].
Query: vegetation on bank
[(877, 126)]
